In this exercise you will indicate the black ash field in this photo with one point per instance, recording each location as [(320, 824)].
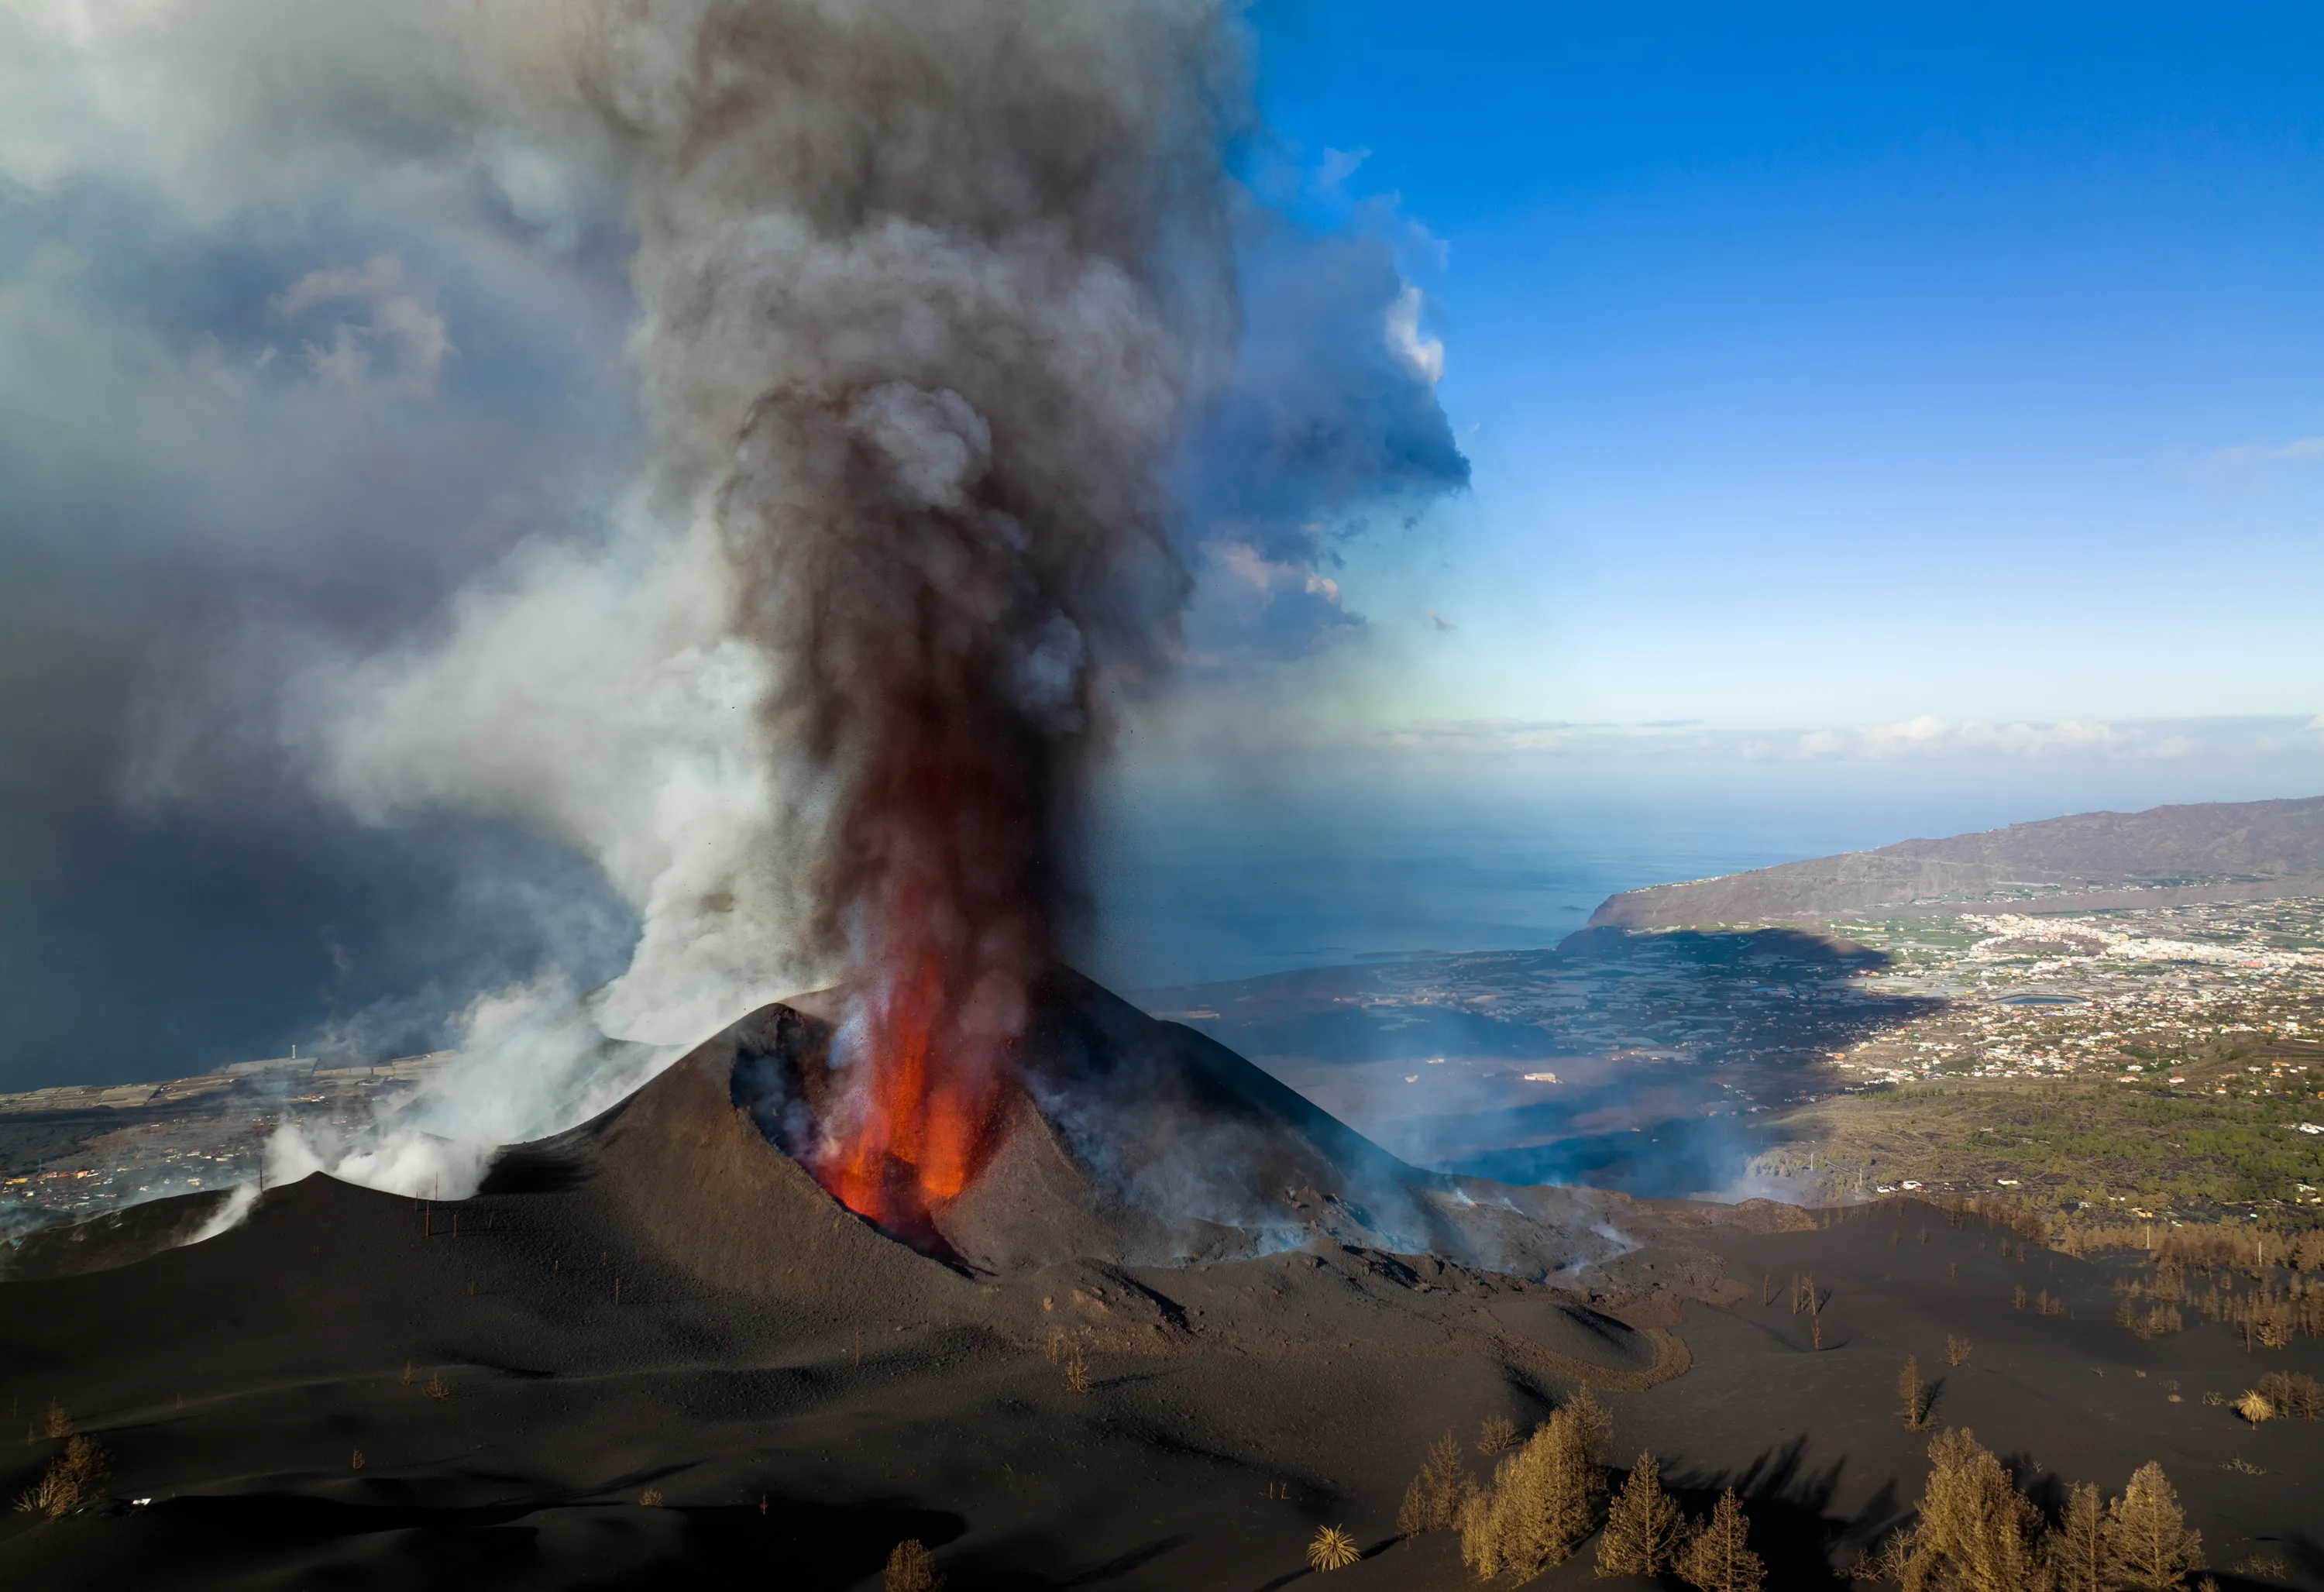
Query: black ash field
[(655, 1353)]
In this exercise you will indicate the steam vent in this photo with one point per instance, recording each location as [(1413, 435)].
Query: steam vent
[(1119, 1138)]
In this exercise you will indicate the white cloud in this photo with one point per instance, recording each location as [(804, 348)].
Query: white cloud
[(1506, 735), (393, 318), (1249, 607), (1422, 354), (2303, 450), (1337, 166), (2253, 466), (1924, 738), (210, 109), (1927, 736), (1247, 566)]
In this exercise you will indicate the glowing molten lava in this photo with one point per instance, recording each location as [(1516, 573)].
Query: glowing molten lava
[(925, 1076), (946, 854)]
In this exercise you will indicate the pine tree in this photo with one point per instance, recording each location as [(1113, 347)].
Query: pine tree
[(2078, 1547), (1434, 1500), (1716, 1557), (1558, 1505), (1481, 1543), (1976, 1533), (1414, 1515), (1909, 1389), (1643, 1526), (1593, 1427), (2147, 1542), (1543, 1500)]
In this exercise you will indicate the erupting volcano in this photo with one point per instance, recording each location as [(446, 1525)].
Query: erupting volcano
[(1099, 1133), (935, 418), (954, 390)]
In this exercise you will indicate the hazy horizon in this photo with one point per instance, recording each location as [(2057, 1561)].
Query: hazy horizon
[(1230, 883)]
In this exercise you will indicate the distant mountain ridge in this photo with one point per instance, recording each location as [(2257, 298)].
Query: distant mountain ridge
[(2206, 851)]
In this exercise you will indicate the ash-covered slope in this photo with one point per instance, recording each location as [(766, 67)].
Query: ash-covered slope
[(1129, 1141), (2210, 851)]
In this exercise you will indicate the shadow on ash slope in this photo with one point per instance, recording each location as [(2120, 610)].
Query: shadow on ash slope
[(1126, 1140)]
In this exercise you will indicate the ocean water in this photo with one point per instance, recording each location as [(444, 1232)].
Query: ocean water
[(1196, 889), (1199, 890)]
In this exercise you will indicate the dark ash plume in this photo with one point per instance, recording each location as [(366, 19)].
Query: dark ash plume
[(930, 295)]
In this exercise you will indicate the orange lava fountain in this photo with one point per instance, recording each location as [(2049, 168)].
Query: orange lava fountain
[(942, 869), (925, 1078)]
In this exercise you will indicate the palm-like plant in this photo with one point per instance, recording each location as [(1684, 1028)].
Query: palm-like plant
[(1333, 1548)]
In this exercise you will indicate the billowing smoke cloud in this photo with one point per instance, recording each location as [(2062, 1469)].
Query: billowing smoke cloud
[(196, 513), (959, 356)]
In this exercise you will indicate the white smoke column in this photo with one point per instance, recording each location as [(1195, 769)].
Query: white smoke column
[(928, 293), (599, 694)]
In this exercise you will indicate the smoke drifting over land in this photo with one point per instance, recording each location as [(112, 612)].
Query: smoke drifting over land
[(941, 314)]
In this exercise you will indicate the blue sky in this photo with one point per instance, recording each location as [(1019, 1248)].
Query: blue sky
[(1911, 418), (1826, 365)]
